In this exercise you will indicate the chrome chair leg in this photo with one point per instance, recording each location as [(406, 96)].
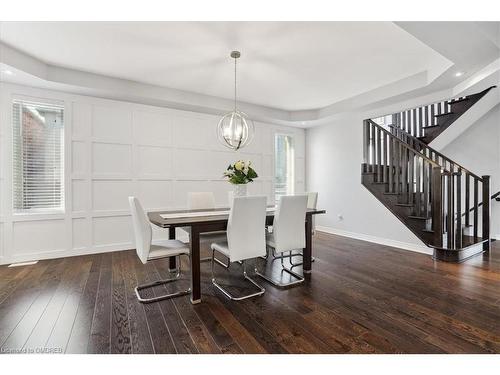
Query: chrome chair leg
[(220, 262), (313, 259), (279, 284), (229, 295), (290, 256), (138, 288)]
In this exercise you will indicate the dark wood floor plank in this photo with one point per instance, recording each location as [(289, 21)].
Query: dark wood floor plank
[(183, 342), (260, 333), (241, 336), (70, 277), (51, 282), (80, 332), (360, 298), (15, 306), (120, 330), (74, 289), (160, 335), (140, 337), (100, 333), (12, 280)]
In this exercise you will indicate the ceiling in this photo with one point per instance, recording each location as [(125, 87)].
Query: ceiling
[(292, 66)]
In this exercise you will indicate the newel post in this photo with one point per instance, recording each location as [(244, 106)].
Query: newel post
[(437, 206), (486, 212)]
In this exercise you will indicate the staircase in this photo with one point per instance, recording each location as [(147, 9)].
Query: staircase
[(441, 202)]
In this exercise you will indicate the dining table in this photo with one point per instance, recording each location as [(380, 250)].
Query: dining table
[(215, 220)]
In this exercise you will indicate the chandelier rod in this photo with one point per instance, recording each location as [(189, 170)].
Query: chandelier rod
[(235, 59)]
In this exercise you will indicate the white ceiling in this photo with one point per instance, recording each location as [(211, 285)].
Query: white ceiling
[(285, 65)]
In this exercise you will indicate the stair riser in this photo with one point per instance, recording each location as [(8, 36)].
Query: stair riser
[(457, 256)]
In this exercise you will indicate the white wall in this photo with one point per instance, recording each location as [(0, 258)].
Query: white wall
[(333, 168), (333, 164), (116, 149)]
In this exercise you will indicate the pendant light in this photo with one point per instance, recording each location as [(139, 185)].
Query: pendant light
[(235, 130)]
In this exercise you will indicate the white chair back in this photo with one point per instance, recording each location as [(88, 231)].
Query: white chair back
[(289, 223), (312, 200), (142, 229), (312, 203), (245, 228), (201, 200)]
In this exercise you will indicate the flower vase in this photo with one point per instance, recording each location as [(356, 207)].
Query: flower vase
[(240, 190)]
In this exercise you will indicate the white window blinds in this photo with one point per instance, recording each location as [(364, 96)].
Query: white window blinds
[(38, 157), (284, 166)]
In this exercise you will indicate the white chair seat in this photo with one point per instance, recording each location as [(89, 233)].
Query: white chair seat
[(222, 247), (167, 248)]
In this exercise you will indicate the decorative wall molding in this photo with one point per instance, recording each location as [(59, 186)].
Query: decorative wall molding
[(116, 149)]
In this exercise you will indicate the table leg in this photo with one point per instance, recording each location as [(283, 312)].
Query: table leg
[(172, 264), (307, 251), (195, 266)]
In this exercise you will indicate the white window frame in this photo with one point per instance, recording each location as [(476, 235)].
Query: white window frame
[(42, 212), (291, 186)]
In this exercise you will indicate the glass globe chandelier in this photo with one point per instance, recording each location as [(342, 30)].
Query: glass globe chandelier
[(235, 130)]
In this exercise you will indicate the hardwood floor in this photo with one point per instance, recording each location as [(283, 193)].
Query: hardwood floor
[(360, 298)]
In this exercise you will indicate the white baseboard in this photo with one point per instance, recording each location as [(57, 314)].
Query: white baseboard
[(63, 253), (379, 240)]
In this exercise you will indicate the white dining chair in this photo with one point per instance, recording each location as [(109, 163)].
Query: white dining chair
[(312, 201), (201, 200), (288, 234), (148, 250), (245, 238), (205, 200)]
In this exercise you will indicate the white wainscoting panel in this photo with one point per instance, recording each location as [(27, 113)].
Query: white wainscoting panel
[(155, 161), (111, 159), (111, 195), (155, 194), (80, 158), (152, 128), (80, 195), (82, 233), (112, 231), (112, 123), (38, 236), (117, 149)]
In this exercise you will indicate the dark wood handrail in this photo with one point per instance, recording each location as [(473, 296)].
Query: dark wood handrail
[(495, 196), (404, 144), (429, 104), (425, 145)]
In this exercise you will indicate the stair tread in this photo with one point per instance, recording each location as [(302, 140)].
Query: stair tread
[(419, 217), (444, 114), (405, 204), (458, 100), (431, 127), (388, 193)]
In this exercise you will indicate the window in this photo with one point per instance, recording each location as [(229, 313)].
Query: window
[(38, 157), (284, 165)]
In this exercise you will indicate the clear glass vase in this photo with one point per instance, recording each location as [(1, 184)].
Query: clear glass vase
[(240, 190)]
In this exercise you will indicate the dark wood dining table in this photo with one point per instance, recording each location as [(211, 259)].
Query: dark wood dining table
[(209, 220)]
